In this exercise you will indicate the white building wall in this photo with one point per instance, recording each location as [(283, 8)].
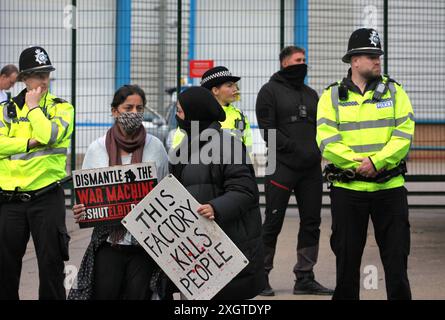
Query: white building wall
[(416, 54), (415, 46), (153, 55), (96, 40), (244, 36), (330, 25), (28, 22)]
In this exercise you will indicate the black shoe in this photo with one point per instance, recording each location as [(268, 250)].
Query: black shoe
[(310, 286), (267, 291)]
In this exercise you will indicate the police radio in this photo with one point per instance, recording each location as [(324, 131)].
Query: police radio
[(342, 91), (380, 91), (10, 109), (302, 111)]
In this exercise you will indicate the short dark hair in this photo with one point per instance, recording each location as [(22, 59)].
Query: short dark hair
[(8, 70), (290, 50), (124, 92)]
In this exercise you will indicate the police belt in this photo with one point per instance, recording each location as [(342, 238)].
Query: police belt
[(26, 196), (331, 173)]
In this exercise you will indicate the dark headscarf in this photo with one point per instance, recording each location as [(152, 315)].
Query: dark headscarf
[(199, 105)]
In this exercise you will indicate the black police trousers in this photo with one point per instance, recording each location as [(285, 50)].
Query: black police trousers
[(122, 272), (43, 218), (308, 186), (350, 215)]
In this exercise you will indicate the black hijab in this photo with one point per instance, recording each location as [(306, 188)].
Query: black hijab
[(199, 105)]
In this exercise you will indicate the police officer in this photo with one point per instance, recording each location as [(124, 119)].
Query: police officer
[(365, 125), (288, 106), (35, 131), (222, 84)]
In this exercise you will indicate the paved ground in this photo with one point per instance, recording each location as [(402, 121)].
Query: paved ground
[(426, 263)]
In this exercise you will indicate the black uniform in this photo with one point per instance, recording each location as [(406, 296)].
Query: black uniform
[(292, 112), (17, 220)]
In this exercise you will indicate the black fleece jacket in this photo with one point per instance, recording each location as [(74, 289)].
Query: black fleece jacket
[(277, 108)]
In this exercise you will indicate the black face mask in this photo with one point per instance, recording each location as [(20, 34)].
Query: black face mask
[(295, 74), (185, 125)]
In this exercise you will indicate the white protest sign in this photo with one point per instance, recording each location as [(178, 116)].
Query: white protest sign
[(192, 250)]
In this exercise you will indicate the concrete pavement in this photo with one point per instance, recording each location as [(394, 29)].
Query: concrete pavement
[(426, 262)]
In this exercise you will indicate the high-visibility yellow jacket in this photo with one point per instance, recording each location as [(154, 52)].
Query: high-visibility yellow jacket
[(235, 121), (52, 125), (362, 127)]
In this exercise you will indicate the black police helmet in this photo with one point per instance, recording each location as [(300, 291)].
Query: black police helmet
[(34, 59), (363, 41), (217, 76)]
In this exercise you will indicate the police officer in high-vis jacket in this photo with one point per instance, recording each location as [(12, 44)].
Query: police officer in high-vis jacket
[(35, 132), (365, 126), (222, 84)]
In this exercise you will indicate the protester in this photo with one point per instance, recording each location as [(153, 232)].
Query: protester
[(115, 266), (227, 191)]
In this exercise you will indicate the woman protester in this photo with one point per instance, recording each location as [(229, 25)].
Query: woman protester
[(115, 266), (226, 188)]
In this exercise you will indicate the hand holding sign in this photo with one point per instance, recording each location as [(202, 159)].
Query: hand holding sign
[(206, 210), (190, 248), (78, 212)]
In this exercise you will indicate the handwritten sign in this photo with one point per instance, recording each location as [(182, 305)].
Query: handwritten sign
[(193, 251)]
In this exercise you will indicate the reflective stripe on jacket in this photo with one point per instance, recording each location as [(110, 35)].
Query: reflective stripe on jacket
[(361, 127), (52, 125)]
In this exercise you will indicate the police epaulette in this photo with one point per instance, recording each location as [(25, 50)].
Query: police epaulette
[(59, 100), (332, 84), (391, 79)]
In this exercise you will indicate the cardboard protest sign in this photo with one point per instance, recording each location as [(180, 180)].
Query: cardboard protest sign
[(193, 251), (110, 193)]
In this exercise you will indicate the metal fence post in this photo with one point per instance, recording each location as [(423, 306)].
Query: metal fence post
[(161, 54), (179, 49), (385, 35), (123, 43), (281, 24), (73, 91)]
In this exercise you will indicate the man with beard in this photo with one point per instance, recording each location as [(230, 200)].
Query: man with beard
[(365, 125), (288, 106)]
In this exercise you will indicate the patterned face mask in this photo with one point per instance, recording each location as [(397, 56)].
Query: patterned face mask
[(130, 121)]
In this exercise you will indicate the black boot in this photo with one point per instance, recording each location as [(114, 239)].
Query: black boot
[(267, 291), (308, 285)]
